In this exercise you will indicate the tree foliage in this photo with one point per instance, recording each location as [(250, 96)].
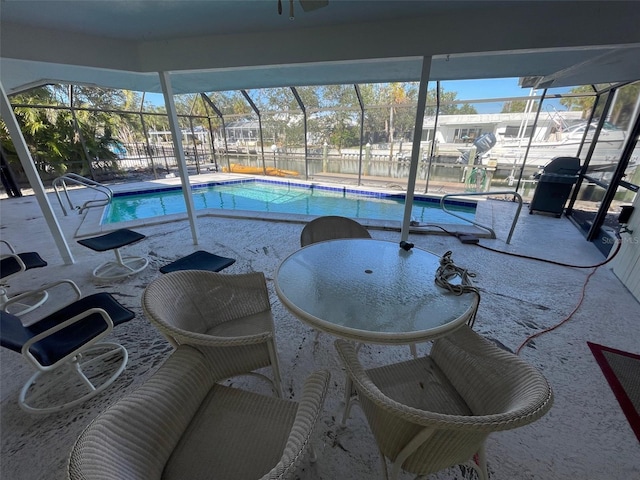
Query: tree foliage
[(447, 104), (583, 103), (62, 140), (84, 139), (626, 98), (517, 106)]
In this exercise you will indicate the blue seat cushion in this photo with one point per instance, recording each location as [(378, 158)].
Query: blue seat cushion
[(13, 335), (9, 265), (199, 260), (110, 241)]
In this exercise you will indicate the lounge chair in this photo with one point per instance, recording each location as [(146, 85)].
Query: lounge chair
[(13, 263), (72, 362)]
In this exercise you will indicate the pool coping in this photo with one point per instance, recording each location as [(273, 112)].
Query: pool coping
[(90, 225)]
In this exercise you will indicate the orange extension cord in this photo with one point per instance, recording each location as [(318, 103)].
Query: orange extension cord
[(582, 293)]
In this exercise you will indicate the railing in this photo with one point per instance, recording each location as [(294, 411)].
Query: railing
[(86, 182), (489, 229)]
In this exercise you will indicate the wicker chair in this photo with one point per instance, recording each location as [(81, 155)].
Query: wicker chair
[(182, 424), (331, 227), (212, 310), (435, 412)]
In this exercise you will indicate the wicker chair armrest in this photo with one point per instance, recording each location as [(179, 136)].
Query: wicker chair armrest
[(224, 363), (309, 410), (203, 339), (491, 379)]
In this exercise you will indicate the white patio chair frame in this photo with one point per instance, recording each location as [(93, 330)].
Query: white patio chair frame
[(76, 363), (29, 301)]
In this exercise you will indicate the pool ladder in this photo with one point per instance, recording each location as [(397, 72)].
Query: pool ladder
[(516, 195), (72, 178)]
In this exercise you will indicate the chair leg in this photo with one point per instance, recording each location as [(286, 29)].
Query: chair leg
[(313, 458), (385, 469), (481, 463), (28, 304), (122, 267), (348, 400), (59, 391), (275, 366)]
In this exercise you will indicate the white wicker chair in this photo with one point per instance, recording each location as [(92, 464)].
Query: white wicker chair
[(213, 310), (331, 227), (435, 412), (182, 424)]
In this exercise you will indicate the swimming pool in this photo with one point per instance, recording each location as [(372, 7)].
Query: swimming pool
[(282, 197)]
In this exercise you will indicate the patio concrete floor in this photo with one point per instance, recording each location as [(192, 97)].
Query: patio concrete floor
[(585, 435)]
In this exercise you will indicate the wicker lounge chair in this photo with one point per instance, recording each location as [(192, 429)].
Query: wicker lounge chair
[(435, 412), (331, 227), (212, 310), (181, 424)]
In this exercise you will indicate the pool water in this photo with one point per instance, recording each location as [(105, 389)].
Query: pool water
[(281, 197)]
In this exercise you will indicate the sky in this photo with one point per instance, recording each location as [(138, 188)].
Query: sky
[(490, 88), (496, 88)]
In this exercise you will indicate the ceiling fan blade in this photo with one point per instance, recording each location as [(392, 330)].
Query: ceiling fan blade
[(310, 5)]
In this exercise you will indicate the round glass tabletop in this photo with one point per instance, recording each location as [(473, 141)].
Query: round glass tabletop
[(370, 291)]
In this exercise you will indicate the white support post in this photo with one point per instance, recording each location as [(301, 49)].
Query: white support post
[(415, 152), (6, 112), (167, 91)]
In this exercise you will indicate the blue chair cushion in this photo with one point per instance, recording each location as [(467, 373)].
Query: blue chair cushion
[(199, 260), (13, 335), (110, 241), (9, 265)]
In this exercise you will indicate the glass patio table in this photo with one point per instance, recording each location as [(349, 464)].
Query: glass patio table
[(370, 291)]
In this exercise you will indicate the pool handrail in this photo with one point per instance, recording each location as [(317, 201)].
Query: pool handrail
[(489, 229), (86, 182)]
